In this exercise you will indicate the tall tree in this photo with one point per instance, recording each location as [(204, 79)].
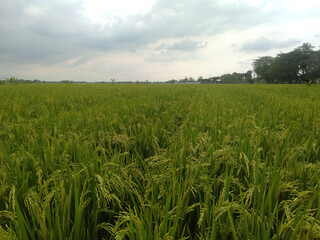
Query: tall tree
[(298, 66), (261, 67), (313, 66), (303, 54), (284, 68)]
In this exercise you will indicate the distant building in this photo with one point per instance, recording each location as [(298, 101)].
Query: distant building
[(212, 80), (187, 83)]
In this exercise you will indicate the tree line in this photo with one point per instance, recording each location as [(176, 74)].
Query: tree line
[(225, 78), (301, 65), (14, 80)]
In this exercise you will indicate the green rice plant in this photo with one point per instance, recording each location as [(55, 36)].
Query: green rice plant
[(104, 161)]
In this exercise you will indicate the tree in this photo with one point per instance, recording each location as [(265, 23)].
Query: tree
[(172, 81), (191, 79), (248, 77), (301, 65), (303, 54), (66, 81), (261, 67), (313, 67), (200, 79), (292, 67), (284, 68), (12, 80)]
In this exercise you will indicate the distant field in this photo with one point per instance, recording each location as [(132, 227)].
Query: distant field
[(113, 161)]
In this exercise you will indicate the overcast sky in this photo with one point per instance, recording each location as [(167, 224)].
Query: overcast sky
[(158, 40)]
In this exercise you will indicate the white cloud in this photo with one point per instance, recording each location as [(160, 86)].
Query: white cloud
[(299, 6), (101, 11), (34, 11)]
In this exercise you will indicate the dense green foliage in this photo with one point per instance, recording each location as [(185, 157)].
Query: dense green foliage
[(159, 161), (301, 65)]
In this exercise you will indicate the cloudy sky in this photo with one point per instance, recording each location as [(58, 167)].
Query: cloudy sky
[(158, 40)]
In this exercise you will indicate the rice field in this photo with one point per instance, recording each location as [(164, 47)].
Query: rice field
[(111, 161)]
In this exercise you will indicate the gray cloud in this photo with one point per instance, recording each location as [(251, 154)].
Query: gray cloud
[(178, 51), (41, 32), (265, 44), (161, 47), (187, 45), (38, 31)]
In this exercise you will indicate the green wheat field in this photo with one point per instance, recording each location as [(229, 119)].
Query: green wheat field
[(144, 161)]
